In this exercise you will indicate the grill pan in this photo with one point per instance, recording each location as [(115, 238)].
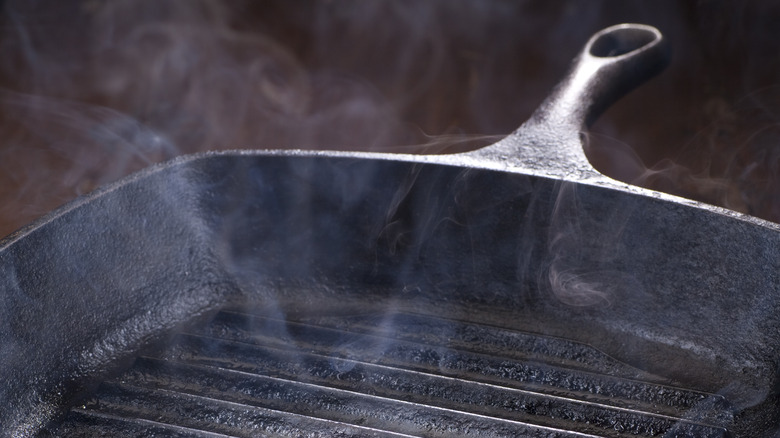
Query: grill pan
[(509, 291)]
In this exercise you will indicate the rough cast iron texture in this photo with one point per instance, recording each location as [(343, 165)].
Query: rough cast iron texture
[(370, 370), (523, 233)]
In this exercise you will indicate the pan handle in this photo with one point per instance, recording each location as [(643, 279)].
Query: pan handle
[(612, 63)]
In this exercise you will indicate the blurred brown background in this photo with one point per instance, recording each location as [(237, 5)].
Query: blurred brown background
[(93, 90)]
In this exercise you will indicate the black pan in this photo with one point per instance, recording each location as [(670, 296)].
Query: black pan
[(523, 234)]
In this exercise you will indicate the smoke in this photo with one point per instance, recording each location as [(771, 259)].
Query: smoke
[(582, 269), (102, 89), (175, 77), (706, 128), (92, 91), (667, 175)]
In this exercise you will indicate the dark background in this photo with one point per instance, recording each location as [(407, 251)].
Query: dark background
[(91, 91)]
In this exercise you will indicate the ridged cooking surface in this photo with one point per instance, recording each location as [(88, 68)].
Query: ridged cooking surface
[(390, 375)]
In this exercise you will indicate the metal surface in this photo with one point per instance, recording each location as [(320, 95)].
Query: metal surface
[(388, 374), (523, 235)]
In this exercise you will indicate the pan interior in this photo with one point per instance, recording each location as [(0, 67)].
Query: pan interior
[(398, 256)]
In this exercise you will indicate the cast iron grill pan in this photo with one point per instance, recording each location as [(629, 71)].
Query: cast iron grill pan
[(511, 290)]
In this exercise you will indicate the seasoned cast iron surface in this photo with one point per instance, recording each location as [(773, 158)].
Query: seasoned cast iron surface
[(395, 374), (656, 290)]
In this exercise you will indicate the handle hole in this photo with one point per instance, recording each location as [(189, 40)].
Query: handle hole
[(618, 42)]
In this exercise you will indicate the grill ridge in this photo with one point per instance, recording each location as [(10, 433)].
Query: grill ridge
[(393, 375)]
